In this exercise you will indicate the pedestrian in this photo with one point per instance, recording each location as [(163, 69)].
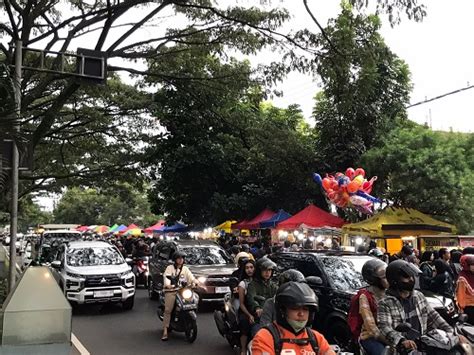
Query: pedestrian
[(442, 283), (296, 306), (456, 263), (246, 319), (445, 256), (465, 287), (427, 269)]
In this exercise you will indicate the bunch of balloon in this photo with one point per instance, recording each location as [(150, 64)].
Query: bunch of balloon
[(351, 189)]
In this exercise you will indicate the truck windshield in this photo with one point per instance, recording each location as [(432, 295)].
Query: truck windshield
[(93, 257), (345, 272), (206, 256)]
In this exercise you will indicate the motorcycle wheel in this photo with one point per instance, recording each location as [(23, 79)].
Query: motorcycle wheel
[(191, 331)]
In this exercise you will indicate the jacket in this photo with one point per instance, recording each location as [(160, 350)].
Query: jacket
[(259, 287), (391, 313), (172, 271)]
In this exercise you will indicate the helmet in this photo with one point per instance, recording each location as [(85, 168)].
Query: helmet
[(265, 264), (369, 271), (295, 294), (376, 252), (398, 269), (245, 247), (178, 254), (466, 261), (290, 275), (242, 257)]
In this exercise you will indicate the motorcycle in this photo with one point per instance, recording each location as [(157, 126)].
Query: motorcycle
[(433, 342), (227, 318), (140, 269), (183, 316), (463, 328)]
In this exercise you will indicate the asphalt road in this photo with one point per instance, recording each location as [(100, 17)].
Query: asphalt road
[(107, 330)]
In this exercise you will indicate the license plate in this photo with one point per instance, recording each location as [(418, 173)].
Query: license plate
[(224, 289), (106, 293)]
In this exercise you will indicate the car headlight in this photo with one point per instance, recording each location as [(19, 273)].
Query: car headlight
[(202, 280), (75, 276), (187, 294), (126, 273)]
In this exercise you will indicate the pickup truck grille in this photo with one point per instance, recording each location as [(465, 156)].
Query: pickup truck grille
[(217, 281), (102, 280)]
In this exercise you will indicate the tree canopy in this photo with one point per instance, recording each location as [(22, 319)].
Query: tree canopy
[(429, 171)]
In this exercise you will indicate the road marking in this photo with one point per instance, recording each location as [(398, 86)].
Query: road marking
[(78, 345)]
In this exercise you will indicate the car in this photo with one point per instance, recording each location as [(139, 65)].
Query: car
[(94, 272), (340, 275), (50, 242), (208, 262)]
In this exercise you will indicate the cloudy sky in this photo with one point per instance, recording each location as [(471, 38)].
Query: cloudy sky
[(439, 52)]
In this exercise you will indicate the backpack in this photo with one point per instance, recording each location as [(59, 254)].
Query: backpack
[(354, 319), (278, 341)]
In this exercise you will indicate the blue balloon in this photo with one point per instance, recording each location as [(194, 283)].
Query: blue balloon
[(317, 178)]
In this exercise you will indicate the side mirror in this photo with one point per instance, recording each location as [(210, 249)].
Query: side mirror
[(314, 281), (56, 264), (129, 261), (403, 327)]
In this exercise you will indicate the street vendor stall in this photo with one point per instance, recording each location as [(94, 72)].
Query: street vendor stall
[(394, 226)]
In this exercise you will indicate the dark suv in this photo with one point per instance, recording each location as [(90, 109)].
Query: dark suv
[(208, 262), (341, 277)]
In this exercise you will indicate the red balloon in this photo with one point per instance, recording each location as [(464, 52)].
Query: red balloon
[(360, 171), (327, 183), (350, 173)]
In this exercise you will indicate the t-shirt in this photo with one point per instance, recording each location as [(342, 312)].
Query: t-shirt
[(263, 343), (244, 284)]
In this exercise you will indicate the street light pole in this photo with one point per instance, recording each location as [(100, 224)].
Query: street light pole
[(15, 168)]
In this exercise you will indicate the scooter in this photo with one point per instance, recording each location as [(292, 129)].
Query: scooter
[(183, 316), (141, 271), (434, 342), (463, 328), (227, 318)]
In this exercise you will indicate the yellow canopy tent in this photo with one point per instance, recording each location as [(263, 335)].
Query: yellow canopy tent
[(400, 222), (395, 222), (225, 226)]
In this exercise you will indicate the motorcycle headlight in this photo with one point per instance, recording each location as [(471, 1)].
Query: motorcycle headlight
[(202, 280), (187, 294)]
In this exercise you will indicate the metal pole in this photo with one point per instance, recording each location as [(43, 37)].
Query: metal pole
[(15, 165)]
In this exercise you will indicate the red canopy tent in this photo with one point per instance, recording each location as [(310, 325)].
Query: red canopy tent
[(311, 217), (82, 228), (156, 226), (240, 225), (254, 223)]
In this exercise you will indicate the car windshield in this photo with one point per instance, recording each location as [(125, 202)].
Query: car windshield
[(201, 255), (93, 256), (345, 272)]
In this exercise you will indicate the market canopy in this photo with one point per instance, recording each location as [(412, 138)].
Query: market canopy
[(240, 225), (113, 228), (120, 228), (134, 232), (101, 229), (157, 227), (82, 228), (311, 217), (254, 223), (399, 221), (177, 227), (225, 226), (278, 217)]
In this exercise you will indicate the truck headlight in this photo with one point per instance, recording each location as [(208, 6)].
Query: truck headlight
[(75, 276)]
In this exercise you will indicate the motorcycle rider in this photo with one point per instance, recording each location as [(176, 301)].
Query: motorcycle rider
[(269, 311), (465, 287), (296, 305), (179, 271), (402, 303), (260, 289), (362, 315), (246, 319)]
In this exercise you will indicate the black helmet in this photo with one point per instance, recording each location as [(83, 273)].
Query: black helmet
[(369, 271), (376, 252), (265, 264), (290, 275), (295, 294), (178, 254), (245, 247), (400, 268)]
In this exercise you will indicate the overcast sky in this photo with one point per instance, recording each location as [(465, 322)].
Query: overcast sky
[(439, 52)]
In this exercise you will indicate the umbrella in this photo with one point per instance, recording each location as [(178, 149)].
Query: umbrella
[(101, 229)]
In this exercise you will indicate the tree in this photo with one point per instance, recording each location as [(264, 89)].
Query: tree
[(365, 88), (429, 171), (120, 204)]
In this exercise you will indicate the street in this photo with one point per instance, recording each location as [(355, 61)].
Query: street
[(107, 330)]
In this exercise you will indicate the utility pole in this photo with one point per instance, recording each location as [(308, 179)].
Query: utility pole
[(15, 167)]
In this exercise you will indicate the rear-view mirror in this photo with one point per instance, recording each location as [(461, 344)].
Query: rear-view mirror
[(56, 264), (314, 281)]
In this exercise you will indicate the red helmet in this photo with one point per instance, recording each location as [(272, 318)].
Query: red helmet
[(466, 261)]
